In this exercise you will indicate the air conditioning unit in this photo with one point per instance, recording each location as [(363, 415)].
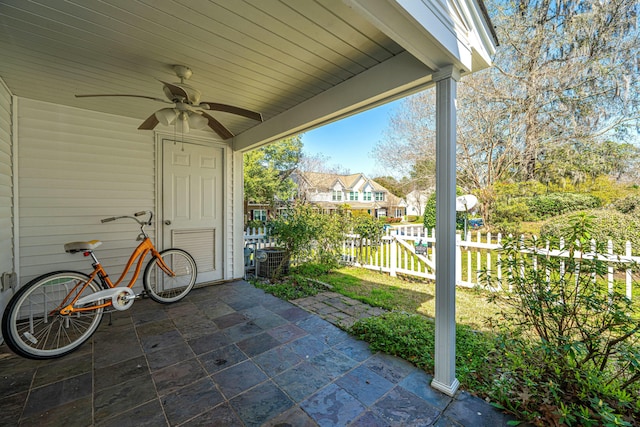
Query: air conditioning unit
[(271, 262)]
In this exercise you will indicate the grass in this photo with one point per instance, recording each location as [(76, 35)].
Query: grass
[(408, 295)]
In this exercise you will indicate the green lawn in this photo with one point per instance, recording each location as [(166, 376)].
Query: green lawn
[(408, 294)]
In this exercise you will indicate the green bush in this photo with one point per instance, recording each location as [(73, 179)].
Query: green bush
[(512, 211), (293, 287), (429, 216), (628, 205), (607, 224), (309, 236), (412, 337), (571, 348), (548, 205)]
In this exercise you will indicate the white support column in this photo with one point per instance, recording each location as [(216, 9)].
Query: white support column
[(445, 352)]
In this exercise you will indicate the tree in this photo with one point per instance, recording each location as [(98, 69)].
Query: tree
[(393, 185), (564, 80), (565, 73), (267, 171)]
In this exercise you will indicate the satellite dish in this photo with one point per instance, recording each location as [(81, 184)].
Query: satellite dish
[(466, 202)]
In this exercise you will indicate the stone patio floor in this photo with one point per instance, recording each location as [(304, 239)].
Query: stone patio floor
[(230, 355)]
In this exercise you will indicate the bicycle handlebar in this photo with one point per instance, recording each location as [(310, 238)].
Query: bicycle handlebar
[(142, 223)]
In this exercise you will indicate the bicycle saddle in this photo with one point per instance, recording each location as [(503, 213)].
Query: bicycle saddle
[(74, 247)]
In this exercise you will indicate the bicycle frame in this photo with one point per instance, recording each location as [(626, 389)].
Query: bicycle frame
[(140, 253)]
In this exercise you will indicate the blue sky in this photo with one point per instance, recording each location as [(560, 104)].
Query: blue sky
[(349, 142)]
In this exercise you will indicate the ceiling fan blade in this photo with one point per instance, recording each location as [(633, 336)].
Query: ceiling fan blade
[(233, 110), (130, 96), (176, 91), (150, 123), (218, 127)]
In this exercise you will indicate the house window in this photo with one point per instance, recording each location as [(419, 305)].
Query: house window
[(366, 196), (353, 195), (379, 196), (398, 213), (336, 196), (259, 214)]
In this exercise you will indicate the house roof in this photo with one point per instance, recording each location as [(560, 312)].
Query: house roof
[(325, 182), (301, 63)]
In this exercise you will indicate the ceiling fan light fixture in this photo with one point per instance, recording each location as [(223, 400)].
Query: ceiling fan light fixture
[(196, 121), (166, 116), (182, 123)]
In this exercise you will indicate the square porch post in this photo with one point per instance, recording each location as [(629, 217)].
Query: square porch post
[(445, 352)]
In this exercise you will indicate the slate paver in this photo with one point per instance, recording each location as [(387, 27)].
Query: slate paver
[(231, 355)]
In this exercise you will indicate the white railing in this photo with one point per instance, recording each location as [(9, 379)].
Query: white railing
[(256, 238), (397, 253)]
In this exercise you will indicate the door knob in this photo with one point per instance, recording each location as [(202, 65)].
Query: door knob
[(167, 222)]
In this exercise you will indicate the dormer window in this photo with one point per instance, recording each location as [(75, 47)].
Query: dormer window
[(366, 196), (353, 195), (336, 196), (379, 196)]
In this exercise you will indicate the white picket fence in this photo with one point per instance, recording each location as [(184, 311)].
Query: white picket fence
[(396, 254)]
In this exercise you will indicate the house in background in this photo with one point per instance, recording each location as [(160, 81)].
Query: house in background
[(417, 200), (354, 192)]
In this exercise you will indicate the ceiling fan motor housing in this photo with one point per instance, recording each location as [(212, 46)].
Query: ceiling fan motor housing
[(193, 94)]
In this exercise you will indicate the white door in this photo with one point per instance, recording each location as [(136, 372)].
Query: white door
[(192, 204)]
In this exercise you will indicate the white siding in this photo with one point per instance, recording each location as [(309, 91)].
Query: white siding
[(6, 189), (76, 167)]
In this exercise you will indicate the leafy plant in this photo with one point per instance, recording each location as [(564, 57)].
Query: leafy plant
[(429, 216), (605, 224), (547, 205), (294, 287), (309, 236), (412, 337), (370, 230), (566, 337)]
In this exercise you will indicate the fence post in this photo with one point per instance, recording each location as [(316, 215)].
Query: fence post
[(393, 253), (610, 266), (499, 262), (458, 259), (627, 252)]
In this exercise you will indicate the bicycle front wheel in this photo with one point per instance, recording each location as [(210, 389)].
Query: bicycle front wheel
[(167, 289), (34, 329)]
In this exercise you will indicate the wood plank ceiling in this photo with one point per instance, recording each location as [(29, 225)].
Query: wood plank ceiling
[(263, 55)]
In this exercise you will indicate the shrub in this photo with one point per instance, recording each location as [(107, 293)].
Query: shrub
[(513, 211), (293, 287), (548, 205), (607, 224), (628, 205), (412, 337), (429, 217), (370, 230), (308, 236), (572, 349)]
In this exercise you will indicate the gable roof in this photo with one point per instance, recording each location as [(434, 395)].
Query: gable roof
[(325, 182)]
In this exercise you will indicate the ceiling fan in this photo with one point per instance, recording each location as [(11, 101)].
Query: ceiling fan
[(187, 111)]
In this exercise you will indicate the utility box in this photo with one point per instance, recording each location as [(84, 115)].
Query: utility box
[(271, 262)]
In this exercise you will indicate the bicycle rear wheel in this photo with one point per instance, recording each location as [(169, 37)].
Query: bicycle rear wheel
[(33, 329), (166, 289)]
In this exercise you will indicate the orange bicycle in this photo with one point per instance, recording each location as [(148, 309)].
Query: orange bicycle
[(57, 312)]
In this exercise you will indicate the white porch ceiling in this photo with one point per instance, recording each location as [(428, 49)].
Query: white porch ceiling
[(299, 62)]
